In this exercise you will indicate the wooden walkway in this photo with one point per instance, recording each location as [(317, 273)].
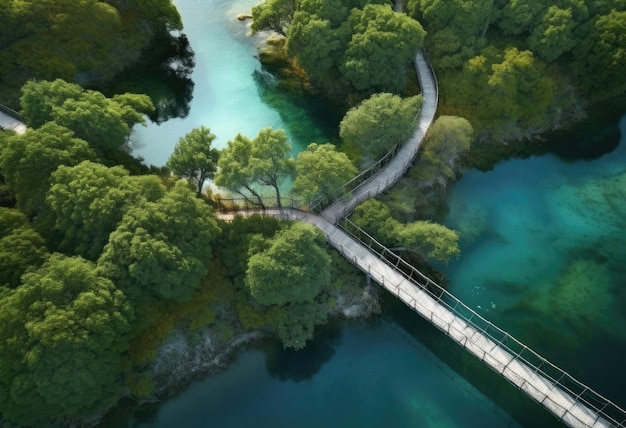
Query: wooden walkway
[(395, 169), (11, 120)]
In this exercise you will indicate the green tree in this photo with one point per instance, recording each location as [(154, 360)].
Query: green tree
[(274, 15), (429, 240), (554, 35), (503, 92), (295, 323), (456, 28), (321, 171), (161, 249), (448, 138), (380, 122), (264, 160), (104, 122), (28, 159), (21, 248), (383, 45), (194, 158), (292, 269), (82, 41), (87, 201), (600, 59), (62, 337)]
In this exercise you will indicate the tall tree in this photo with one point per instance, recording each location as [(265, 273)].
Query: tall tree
[(62, 335), (447, 139), (293, 267), (429, 240), (21, 248), (161, 249), (28, 159), (380, 122), (87, 201), (245, 163), (104, 122), (274, 15), (383, 45), (194, 158), (321, 171)]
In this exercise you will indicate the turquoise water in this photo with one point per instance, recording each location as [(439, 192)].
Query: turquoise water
[(231, 94), (543, 256), (365, 375)]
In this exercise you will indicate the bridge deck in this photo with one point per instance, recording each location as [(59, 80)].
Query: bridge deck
[(8, 122), (391, 173)]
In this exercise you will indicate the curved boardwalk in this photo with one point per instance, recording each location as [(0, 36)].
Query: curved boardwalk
[(11, 120), (571, 401), (395, 169)]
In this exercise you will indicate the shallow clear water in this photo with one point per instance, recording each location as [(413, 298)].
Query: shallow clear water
[(231, 94), (375, 377), (543, 256)]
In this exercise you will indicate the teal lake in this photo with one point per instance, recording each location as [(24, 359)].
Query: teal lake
[(543, 256), (231, 94)]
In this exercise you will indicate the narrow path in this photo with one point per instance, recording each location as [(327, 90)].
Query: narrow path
[(395, 169), (11, 123)]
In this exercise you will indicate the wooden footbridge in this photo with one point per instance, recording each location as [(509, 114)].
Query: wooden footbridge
[(572, 402), (11, 120)]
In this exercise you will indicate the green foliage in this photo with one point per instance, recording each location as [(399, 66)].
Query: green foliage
[(21, 248), (600, 60), (296, 324), (321, 171), (104, 122), (448, 138), (380, 122), (274, 15), (264, 160), (456, 27), (234, 241), (83, 41), (353, 50), (161, 249), (429, 240), (86, 202), (382, 46), (28, 159), (502, 92), (194, 158), (62, 334), (292, 269), (554, 35)]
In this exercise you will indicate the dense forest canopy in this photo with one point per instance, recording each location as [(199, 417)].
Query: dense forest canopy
[(82, 41), (513, 68), (349, 49)]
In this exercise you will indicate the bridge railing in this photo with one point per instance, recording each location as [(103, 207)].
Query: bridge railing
[(225, 205), (578, 391), (12, 113)]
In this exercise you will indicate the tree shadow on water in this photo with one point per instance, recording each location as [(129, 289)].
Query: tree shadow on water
[(287, 364), (164, 74)]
